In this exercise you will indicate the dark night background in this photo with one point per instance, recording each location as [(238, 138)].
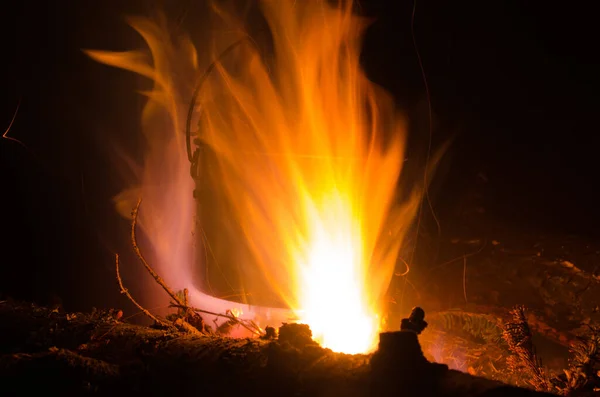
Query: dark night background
[(515, 82)]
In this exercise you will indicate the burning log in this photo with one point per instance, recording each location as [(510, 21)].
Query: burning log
[(79, 354)]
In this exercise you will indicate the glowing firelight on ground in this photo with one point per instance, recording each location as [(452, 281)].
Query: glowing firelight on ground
[(302, 148)]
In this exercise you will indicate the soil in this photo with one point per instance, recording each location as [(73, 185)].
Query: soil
[(469, 280), (97, 354)]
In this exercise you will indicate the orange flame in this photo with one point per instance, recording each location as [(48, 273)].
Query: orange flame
[(301, 148)]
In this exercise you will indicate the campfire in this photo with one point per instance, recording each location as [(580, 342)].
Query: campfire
[(273, 204), (294, 155)]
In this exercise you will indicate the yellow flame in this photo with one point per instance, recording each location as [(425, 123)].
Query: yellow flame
[(301, 148)]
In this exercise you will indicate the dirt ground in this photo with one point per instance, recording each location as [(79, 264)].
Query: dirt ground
[(97, 354), (470, 280)]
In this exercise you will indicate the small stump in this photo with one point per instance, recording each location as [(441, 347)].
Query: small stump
[(399, 363)]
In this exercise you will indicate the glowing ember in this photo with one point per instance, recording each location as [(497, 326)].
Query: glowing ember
[(302, 150)]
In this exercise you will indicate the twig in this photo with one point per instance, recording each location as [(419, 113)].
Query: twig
[(252, 327), (198, 324), (149, 268), (249, 325), (12, 121), (195, 309), (186, 295), (572, 268), (128, 295), (465, 278), (473, 253)]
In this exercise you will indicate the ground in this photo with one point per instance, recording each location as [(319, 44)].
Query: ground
[(97, 354), (474, 277)]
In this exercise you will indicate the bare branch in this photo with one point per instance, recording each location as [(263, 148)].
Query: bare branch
[(149, 268), (249, 325), (197, 323), (128, 295)]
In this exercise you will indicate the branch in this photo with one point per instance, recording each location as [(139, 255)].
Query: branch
[(249, 325), (128, 295), (149, 268), (198, 324)]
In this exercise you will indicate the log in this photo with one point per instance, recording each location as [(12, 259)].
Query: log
[(97, 354)]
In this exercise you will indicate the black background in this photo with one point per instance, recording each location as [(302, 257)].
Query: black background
[(514, 81)]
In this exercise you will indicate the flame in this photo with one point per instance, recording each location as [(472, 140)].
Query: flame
[(299, 147)]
